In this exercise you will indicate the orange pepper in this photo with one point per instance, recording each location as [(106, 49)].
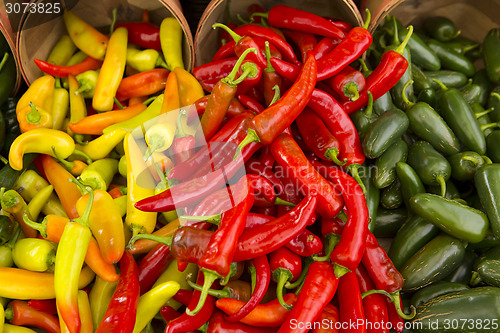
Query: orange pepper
[(31, 117), (145, 245), (171, 99), (106, 224)]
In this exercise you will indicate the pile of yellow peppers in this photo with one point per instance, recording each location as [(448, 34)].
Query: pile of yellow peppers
[(74, 214)]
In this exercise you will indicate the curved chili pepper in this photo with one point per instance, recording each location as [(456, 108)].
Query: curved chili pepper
[(264, 193), (152, 266), (389, 70), (305, 41), (288, 154), (20, 313), (254, 166), (324, 46), (375, 308), (270, 35), (87, 64), (291, 193), (250, 103), (270, 314), (317, 291), (286, 266), (271, 80), (351, 303), (266, 126), (142, 84), (168, 313), (348, 83), (120, 315), (260, 266), (285, 69), (214, 69), (305, 244), (317, 136), (143, 34), (218, 323), (216, 260), (349, 251), (183, 296), (183, 144), (342, 127), (186, 322)]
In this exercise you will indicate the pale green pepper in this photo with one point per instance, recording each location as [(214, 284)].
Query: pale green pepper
[(34, 254), (144, 60)]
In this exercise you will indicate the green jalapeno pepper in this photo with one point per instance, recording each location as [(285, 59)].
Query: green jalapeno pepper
[(459, 116), (494, 103), (385, 131), (487, 271), (463, 273), (489, 241), (391, 196), (6, 229), (372, 193), (413, 235), (492, 146), (454, 218), (466, 311), (471, 92), (434, 290), (385, 165), (465, 164), (484, 120), (389, 221), (411, 183), (491, 54), (452, 192), (487, 181), (433, 262), (422, 86), (450, 59), (481, 79), (364, 118), (440, 28), (451, 79), (383, 103), (431, 167)]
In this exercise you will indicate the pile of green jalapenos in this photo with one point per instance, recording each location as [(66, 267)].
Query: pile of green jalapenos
[(433, 177)]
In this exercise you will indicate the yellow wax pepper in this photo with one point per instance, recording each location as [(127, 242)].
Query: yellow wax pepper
[(171, 42), (112, 71), (62, 51), (86, 37), (40, 93), (190, 89)]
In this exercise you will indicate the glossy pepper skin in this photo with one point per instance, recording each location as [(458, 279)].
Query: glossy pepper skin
[(487, 180), (350, 302), (120, 315), (87, 64), (143, 34), (20, 313), (85, 37)]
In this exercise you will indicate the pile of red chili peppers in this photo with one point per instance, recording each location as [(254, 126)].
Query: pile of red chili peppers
[(285, 248)]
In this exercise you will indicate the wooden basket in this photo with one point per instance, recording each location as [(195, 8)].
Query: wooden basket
[(10, 36), (206, 38), (38, 34)]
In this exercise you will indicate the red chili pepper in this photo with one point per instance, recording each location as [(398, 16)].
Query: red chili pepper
[(397, 322), (318, 137), (214, 69), (257, 220), (342, 127), (270, 80), (143, 34), (380, 267), (266, 126), (348, 83), (254, 166), (183, 146), (235, 108), (324, 46), (286, 266), (120, 315), (355, 43), (291, 192), (342, 25), (270, 35), (20, 313), (264, 193), (153, 265), (218, 323), (281, 16), (228, 49), (351, 304), (216, 260), (375, 308), (44, 305), (220, 98), (305, 41), (317, 291), (259, 268), (86, 64), (255, 8), (285, 69), (349, 251), (327, 320), (244, 86), (168, 313), (389, 70), (305, 244), (250, 103), (269, 237), (183, 296), (142, 84), (224, 36), (287, 153), (270, 314), (331, 229), (265, 157)]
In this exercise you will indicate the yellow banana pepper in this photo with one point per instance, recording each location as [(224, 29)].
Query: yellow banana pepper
[(101, 146), (40, 93), (86, 37), (62, 51), (171, 42), (190, 89)]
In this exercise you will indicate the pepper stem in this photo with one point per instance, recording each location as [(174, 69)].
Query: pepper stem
[(251, 136), (475, 279), (351, 91), (4, 60), (396, 40), (233, 34), (277, 94), (41, 227), (113, 22), (223, 293), (230, 79), (209, 279), (483, 113), (33, 116), (180, 128), (282, 202), (84, 219), (282, 276), (442, 183), (66, 164), (264, 15), (394, 298), (486, 159), (331, 241), (369, 107), (440, 84), (302, 276), (471, 159), (401, 48), (488, 126), (149, 100), (340, 270), (269, 67), (332, 154), (353, 170), (120, 105), (9, 314), (159, 239), (215, 219), (80, 153), (405, 96), (368, 19)]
